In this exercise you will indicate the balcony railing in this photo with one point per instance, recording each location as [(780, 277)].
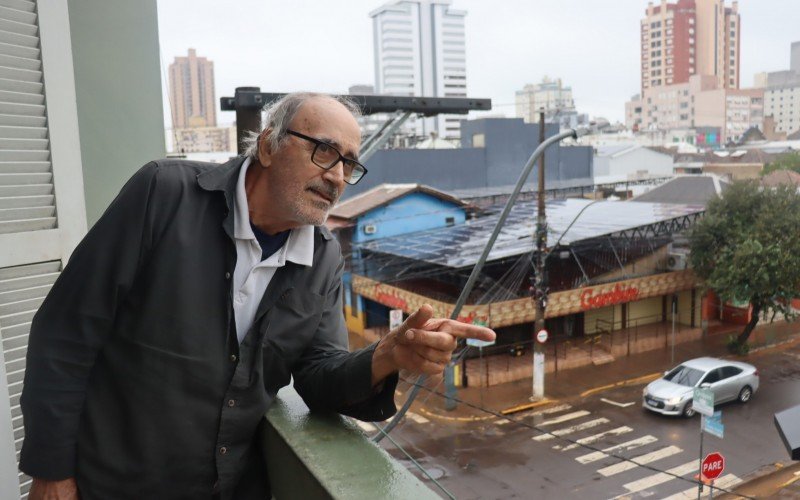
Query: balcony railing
[(315, 456)]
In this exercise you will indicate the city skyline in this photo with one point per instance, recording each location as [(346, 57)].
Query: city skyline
[(562, 41)]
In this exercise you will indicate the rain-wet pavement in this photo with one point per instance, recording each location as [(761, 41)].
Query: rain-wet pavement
[(495, 458)]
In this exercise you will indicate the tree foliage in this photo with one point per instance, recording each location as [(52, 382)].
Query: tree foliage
[(786, 161), (747, 248)]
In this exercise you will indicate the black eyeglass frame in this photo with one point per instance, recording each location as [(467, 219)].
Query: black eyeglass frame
[(317, 143)]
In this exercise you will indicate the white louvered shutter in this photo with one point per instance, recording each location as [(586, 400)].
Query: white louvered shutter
[(27, 202), (22, 290)]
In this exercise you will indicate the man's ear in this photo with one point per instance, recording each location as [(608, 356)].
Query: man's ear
[(264, 148)]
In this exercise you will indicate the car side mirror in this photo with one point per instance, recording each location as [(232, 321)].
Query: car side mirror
[(705, 385)]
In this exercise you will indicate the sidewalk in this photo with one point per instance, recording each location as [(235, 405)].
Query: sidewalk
[(636, 369)]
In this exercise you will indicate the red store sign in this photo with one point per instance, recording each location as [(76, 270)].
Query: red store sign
[(618, 295)]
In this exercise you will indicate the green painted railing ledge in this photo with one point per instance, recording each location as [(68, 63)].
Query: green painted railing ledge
[(316, 456)]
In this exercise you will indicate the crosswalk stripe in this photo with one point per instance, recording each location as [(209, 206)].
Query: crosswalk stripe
[(661, 477), (417, 418), (626, 446), (726, 482), (564, 418), (534, 413), (665, 452), (597, 437), (570, 430)]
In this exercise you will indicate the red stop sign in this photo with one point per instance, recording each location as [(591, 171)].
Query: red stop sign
[(713, 465)]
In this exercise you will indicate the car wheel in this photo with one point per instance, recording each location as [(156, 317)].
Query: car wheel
[(745, 394), (688, 411)]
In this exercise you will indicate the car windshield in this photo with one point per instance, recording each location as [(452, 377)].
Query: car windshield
[(684, 375)]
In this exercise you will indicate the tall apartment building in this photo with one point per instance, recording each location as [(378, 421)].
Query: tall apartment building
[(551, 96), (690, 37), (420, 50), (782, 94), (191, 92)]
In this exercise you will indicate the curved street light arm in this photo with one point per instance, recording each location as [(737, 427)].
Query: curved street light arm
[(479, 265)]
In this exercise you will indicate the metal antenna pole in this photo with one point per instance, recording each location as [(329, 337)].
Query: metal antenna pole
[(479, 265)]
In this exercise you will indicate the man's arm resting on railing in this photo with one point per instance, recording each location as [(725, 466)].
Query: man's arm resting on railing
[(42, 489)]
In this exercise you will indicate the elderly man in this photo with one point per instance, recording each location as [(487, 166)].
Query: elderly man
[(196, 296)]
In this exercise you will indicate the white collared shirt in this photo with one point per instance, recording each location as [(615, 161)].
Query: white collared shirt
[(252, 275)]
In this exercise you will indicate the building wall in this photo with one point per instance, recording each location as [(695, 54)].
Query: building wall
[(635, 164), (690, 37), (420, 49), (92, 98), (411, 213), (118, 90), (783, 104), (493, 153), (191, 91)]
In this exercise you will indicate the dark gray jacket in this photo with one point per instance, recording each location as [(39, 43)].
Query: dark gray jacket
[(135, 381)]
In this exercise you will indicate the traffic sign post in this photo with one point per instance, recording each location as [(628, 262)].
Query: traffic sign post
[(713, 424), (713, 465), (711, 468), (702, 403), (541, 336)]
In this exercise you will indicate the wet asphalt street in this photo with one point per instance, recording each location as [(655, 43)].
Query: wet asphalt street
[(498, 459)]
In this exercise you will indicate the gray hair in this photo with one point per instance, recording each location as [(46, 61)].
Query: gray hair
[(280, 113)]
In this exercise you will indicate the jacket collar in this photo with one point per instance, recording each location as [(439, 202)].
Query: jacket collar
[(224, 178)]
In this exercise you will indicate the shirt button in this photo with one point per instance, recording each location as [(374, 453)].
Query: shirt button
[(233, 358), (227, 276), (223, 450), (231, 403)]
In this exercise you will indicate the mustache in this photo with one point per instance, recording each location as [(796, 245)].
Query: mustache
[(327, 190)]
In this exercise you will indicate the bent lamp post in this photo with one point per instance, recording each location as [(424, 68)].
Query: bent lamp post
[(462, 298)]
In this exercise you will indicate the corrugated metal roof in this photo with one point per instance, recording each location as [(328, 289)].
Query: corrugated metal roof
[(461, 246), (689, 189)]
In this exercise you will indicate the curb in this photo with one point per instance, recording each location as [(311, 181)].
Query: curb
[(454, 419), (633, 381)]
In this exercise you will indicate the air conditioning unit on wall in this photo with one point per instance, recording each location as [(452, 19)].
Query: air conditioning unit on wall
[(677, 261)]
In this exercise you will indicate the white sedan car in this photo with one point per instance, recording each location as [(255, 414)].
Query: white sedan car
[(728, 380)]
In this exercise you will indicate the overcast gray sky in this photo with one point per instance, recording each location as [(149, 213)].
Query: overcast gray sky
[(327, 45)]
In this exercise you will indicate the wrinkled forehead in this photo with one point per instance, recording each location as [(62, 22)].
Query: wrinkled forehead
[(327, 119)]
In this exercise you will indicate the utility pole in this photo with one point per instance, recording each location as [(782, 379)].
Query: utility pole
[(540, 279)]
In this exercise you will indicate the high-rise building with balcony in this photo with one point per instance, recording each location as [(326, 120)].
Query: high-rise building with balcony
[(191, 92), (420, 51), (690, 37)]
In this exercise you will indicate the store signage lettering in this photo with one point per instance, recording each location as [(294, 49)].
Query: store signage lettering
[(618, 295), (390, 300)]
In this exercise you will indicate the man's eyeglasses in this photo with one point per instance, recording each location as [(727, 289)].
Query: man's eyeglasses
[(326, 157)]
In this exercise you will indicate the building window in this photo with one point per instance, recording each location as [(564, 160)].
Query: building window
[(450, 221), (478, 140)]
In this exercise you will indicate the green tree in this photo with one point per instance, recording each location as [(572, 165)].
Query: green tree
[(747, 249), (786, 161)]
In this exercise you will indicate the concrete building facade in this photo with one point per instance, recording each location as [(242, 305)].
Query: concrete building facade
[(204, 140), (551, 96), (698, 103), (191, 92), (493, 153), (782, 94), (690, 37), (420, 50)]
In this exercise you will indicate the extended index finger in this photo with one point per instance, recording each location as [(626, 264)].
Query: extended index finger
[(466, 330)]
